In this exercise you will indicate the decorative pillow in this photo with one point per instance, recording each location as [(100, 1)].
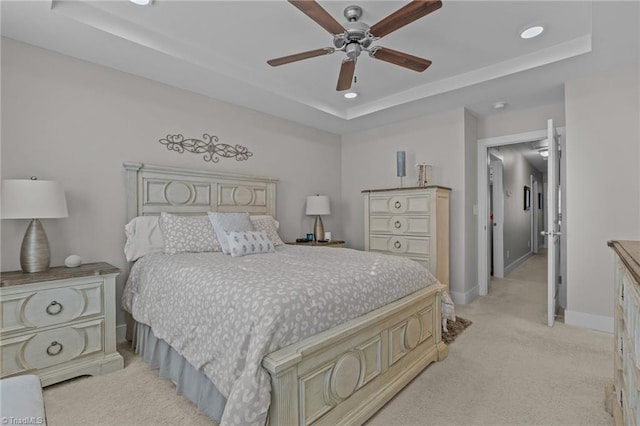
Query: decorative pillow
[(270, 227), (223, 223), (250, 242), (143, 237), (187, 234)]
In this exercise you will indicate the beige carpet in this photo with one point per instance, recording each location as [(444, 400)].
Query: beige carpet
[(508, 368)]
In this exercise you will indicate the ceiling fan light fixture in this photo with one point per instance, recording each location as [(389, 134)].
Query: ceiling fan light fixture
[(141, 2), (355, 36), (351, 95), (532, 32)]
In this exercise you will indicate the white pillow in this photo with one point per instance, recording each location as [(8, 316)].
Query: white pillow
[(187, 234), (144, 236), (270, 227), (223, 223), (249, 242)]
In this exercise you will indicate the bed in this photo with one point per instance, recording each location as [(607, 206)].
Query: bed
[(340, 371)]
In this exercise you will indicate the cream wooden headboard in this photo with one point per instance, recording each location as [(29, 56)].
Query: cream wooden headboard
[(152, 189)]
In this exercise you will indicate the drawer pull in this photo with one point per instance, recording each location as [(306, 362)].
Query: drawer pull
[(397, 244), (52, 351), (54, 308), (398, 225), (398, 204)]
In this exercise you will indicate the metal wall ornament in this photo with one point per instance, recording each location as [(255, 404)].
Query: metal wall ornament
[(209, 146)]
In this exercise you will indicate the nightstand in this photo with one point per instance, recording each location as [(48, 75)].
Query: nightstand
[(59, 323), (332, 243)]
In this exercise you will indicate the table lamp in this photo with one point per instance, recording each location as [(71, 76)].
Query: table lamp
[(318, 205), (33, 199)]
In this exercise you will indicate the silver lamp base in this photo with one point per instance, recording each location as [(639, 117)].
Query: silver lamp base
[(318, 229), (34, 253)]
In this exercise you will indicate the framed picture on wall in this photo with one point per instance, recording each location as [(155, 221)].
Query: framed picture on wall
[(527, 198), (540, 201)]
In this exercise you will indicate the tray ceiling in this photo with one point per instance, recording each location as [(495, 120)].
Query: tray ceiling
[(220, 48)]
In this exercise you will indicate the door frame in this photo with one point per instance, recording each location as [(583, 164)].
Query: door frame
[(535, 231), (483, 194), (498, 216)]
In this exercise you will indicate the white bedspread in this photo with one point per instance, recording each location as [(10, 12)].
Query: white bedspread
[(224, 314)]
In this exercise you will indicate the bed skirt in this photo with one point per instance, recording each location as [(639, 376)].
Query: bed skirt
[(190, 382)]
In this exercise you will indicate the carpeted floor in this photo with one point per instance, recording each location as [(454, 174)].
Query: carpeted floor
[(508, 368)]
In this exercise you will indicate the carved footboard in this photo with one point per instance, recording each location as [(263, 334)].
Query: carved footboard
[(344, 375)]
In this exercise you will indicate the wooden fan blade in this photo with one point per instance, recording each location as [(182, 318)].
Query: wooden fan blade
[(400, 58), (300, 56), (314, 11), (345, 78), (404, 16)]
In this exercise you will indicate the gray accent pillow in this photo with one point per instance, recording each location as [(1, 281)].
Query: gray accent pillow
[(251, 242), (269, 226), (223, 223), (187, 234)]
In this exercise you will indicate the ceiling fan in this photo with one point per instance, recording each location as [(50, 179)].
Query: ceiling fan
[(355, 37)]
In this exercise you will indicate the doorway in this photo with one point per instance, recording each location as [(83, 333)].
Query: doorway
[(488, 226)]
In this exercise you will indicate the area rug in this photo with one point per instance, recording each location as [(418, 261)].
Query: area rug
[(454, 329)]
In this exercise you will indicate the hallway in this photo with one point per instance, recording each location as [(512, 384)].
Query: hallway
[(527, 286)]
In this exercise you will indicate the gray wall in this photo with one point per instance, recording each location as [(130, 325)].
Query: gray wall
[(74, 122), (471, 200), (508, 122), (447, 141), (517, 221), (603, 188)]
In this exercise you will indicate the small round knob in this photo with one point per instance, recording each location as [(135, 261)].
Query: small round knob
[(54, 308), (54, 348), (398, 204), (397, 244), (397, 224)]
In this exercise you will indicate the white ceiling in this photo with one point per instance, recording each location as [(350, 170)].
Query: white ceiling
[(220, 48), (531, 152)]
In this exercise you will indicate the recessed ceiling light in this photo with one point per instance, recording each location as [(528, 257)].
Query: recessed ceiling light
[(532, 32), (141, 2), (499, 105), (351, 95)]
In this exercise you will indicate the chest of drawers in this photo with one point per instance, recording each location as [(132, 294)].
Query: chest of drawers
[(59, 323), (624, 400), (410, 222)]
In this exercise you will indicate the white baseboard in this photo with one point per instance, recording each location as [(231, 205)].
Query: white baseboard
[(513, 265), (121, 332), (584, 320), (466, 297)]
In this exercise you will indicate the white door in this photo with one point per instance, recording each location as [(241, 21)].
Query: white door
[(497, 220), (554, 223), (535, 218)]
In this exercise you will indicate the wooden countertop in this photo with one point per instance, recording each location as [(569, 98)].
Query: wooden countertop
[(408, 188), (12, 278), (629, 253)]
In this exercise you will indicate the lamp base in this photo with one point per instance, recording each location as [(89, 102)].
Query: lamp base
[(34, 253), (318, 229)]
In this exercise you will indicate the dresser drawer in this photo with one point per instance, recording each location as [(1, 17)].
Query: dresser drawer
[(49, 307), (397, 204), (397, 244), (399, 224), (37, 351)]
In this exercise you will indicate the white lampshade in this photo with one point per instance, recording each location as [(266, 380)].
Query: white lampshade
[(318, 205), (33, 199)]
